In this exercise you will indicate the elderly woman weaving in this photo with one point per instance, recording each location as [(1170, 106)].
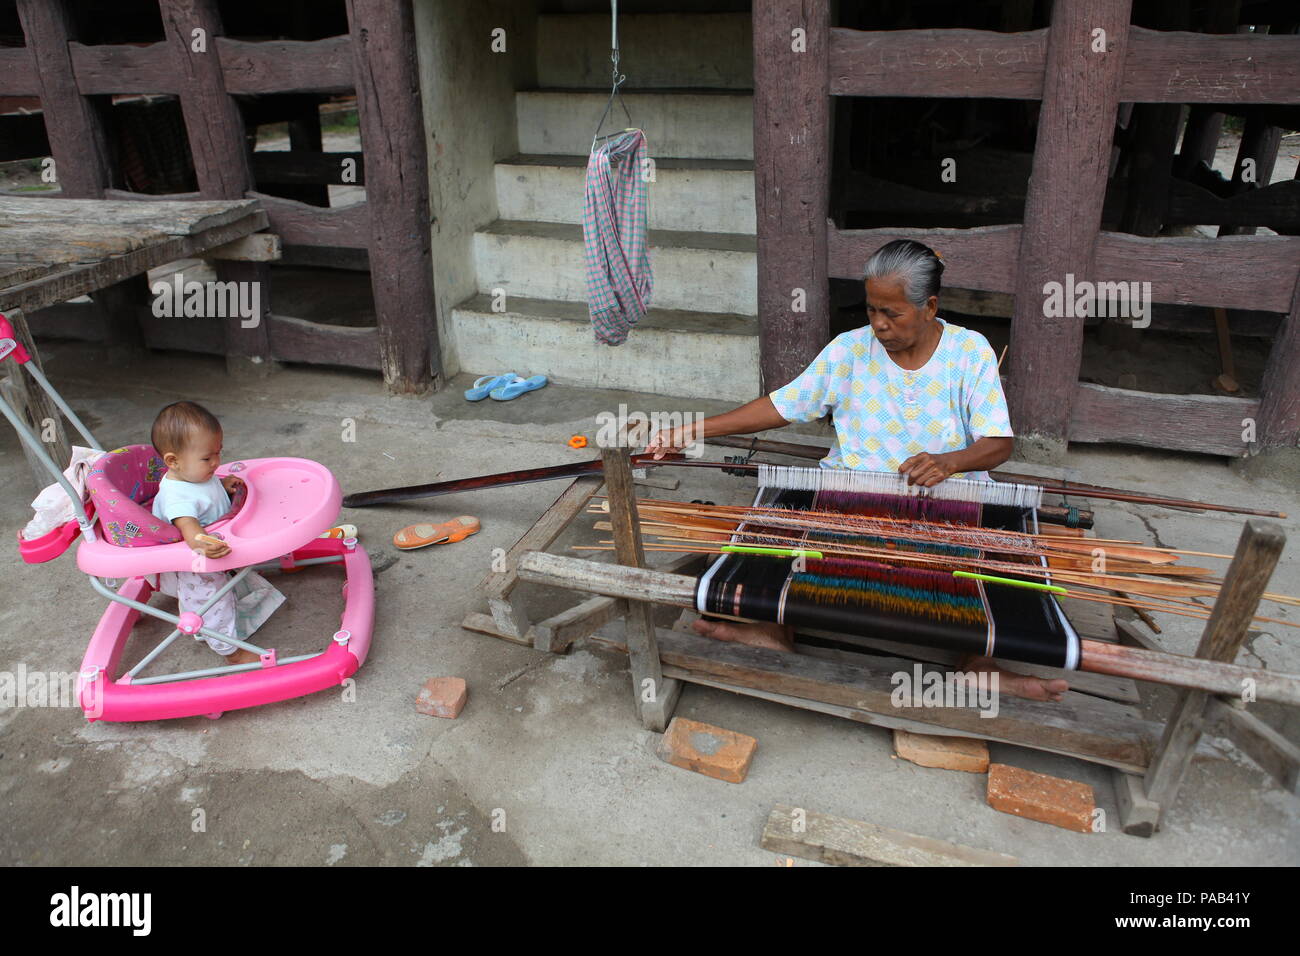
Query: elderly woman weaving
[(908, 393)]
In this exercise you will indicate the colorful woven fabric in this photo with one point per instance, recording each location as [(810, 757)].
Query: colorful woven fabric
[(614, 234)]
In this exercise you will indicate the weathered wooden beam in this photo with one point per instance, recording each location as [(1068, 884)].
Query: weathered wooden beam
[(18, 74), (1174, 67), (74, 124), (977, 63), (1063, 209), (1278, 757), (791, 184), (249, 67), (1211, 424), (296, 223), (259, 247), (111, 68), (316, 343), (287, 66), (212, 118), (1258, 550), (1279, 391), (397, 190), (1241, 272), (842, 842), (983, 258)]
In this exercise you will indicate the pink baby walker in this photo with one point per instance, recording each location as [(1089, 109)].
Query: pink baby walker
[(289, 503)]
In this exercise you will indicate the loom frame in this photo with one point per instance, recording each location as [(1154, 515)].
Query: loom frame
[(1096, 721)]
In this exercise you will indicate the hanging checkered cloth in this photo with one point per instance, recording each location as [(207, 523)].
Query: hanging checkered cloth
[(614, 233)]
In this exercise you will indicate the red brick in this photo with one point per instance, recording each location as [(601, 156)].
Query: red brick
[(706, 749), (442, 697), (946, 753), (1037, 796)]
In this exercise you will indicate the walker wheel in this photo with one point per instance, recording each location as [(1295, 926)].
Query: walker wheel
[(215, 715)]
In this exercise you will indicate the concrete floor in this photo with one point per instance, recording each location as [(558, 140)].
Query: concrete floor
[(547, 745)]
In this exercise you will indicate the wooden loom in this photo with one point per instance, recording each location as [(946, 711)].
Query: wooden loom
[(1096, 721)]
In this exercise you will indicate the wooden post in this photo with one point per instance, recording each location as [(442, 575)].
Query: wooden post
[(1204, 123), (215, 128), (1257, 553), (397, 192), (1279, 391), (791, 183), (1063, 208), (656, 695)]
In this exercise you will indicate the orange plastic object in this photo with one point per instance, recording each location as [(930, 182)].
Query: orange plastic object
[(578, 441)]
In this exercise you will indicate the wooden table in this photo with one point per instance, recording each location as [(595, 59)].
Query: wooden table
[(54, 249)]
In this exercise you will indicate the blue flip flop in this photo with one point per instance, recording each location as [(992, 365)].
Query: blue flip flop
[(483, 386), (517, 387)]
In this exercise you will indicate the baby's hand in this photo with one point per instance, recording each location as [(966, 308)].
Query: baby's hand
[(208, 546), (232, 484)]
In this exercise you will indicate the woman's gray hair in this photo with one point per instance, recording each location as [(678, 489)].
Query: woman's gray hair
[(917, 266)]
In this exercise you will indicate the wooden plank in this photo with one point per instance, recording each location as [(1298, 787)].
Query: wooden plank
[(287, 66), (983, 258), (347, 227), (150, 217), (791, 185), (1242, 272), (74, 124), (1211, 424), (1063, 207), (655, 695), (1258, 550), (109, 68), (261, 247), (18, 75), (937, 63), (397, 189), (486, 624), (1276, 206), (1175, 67), (842, 842), (316, 343), (72, 281), (1279, 392)]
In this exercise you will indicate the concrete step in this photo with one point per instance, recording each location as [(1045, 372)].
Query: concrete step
[(670, 352), (687, 195), (696, 271), (656, 50), (686, 123)]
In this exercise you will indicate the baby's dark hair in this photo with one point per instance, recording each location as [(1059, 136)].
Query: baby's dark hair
[(177, 424)]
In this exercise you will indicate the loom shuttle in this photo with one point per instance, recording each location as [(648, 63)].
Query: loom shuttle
[(774, 552), (1032, 585)]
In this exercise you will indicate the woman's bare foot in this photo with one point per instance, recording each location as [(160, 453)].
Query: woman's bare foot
[(242, 656), (774, 637), (1019, 685)]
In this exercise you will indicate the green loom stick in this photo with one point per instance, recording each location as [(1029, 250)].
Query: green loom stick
[(776, 552), (1032, 585)]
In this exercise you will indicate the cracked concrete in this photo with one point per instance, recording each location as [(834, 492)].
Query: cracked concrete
[(546, 764)]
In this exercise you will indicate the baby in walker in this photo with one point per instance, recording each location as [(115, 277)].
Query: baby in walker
[(190, 496)]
